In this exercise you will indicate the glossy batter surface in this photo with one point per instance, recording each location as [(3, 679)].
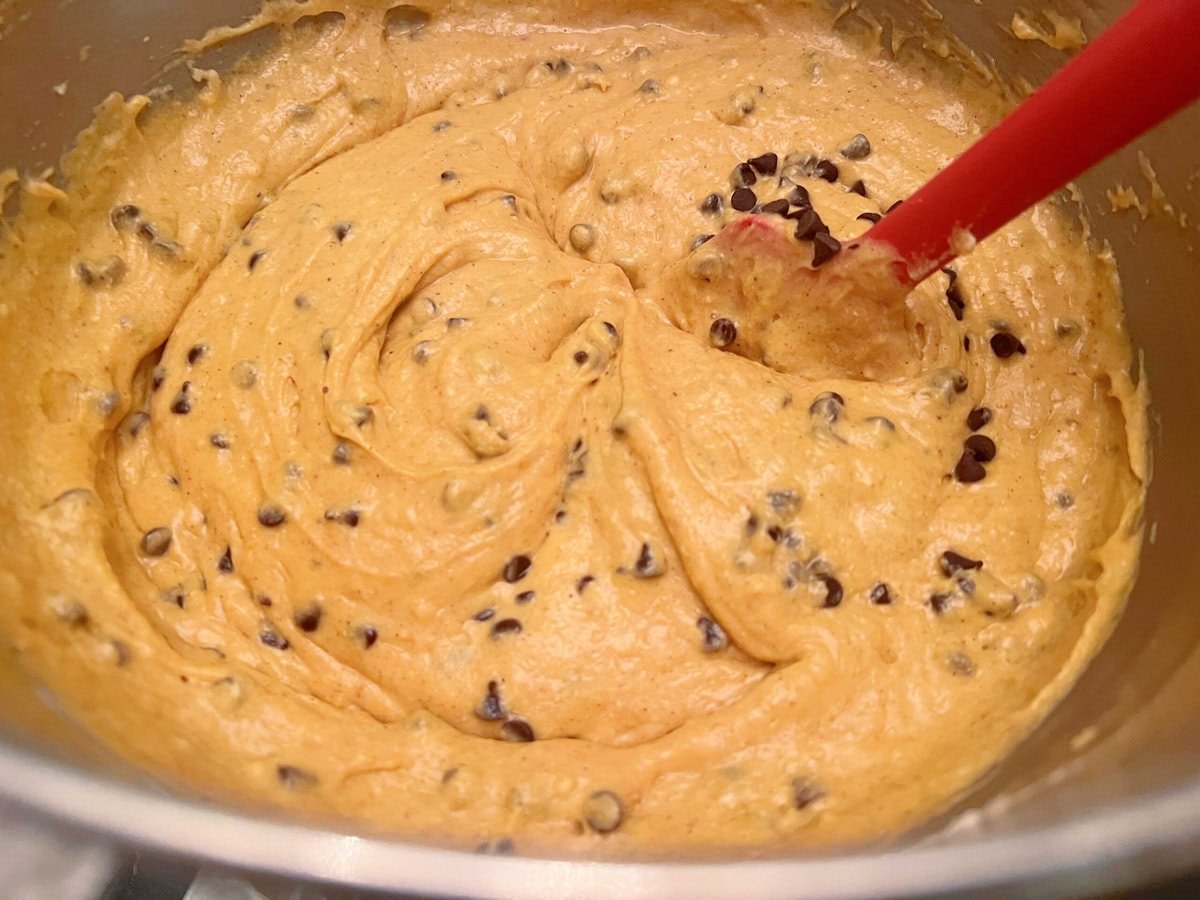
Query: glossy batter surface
[(383, 439)]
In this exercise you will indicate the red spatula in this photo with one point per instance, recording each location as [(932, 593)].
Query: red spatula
[(1139, 72)]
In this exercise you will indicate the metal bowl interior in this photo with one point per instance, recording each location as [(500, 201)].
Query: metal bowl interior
[(1105, 793)]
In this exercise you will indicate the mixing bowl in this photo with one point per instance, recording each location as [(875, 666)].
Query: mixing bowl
[(1104, 794)]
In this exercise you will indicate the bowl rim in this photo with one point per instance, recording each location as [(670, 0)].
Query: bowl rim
[(1156, 836)]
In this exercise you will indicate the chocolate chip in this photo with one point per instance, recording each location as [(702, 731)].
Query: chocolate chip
[(969, 470), (700, 240), (502, 847), (982, 446), (182, 404), (420, 352), (783, 502), (265, 601), (484, 614), (219, 441), (295, 779), (955, 299), (225, 563), (580, 357), (743, 176), (649, 86), (124, 216), (1005, 345), (368, 635), (348, 517), (308, 619), (895, 206), (858, 147), (712, 204), (255, 258), (939, 603), (272, 638), (196, 353), (341, 454), (809, 225), (363, 415), (271, 516), (525, 597), (491, 708), (175, 595), (743, 200), (1065, 500), (648, 565), (722, 332), (449, 176), (767, 164), (859, 187), (828, 406), (826, 170), (805, 792), (869, 217), (506, 626), (517, 731), (156, 542), (833, 591), (604, 812), (800, 197), (952, 563), (825, 248), (979, 418), (960, 664), (157, 377), (582, 583), (775, 208), (517, 568), (881, 594), (712, 636), (441, 126)]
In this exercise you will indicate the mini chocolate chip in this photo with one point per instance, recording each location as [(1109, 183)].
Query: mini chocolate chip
[(954, 297), (1065, 328), (182, 404), (776, 533), (271, 516), (580, 357), (965, 584), (518, 731), (582, 583), (833, 591), (967, 342), (881, 594), (368, 634), (225, 563), (157, 377), (491, 708), (700, 240), (979, 418), (1005, 345), (752, 524), (265, 601), (295, 779), (1065, 500), (525, 597), (783, 501), (124, 216), (506, 626), (722, 332), (743, 200), (952, 563), (196, 353), (341, 231), (960, 664), (156, 542), (308, 619), (858, 147), (604, 812), (649, 86), (255, 258), (456, 322), (805, 792), (175, 595), (363, 415), (767, 164), (826, 170), (648, 564), (825, 248), (800, 197), (712, 636), (895, 206), (712, 204), (348, 517), (484, 614), (517, 568), (442, 125), (828, 406), (869, 217), (775, 208), (219, 441), (859, 187), (969, 470), (743, 176), (420, 352), (982, 446), (502, 847), (809, 225), (341, 454), (449, 176), (272, 638)]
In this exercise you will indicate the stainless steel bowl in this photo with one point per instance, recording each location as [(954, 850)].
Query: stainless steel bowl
[(1106, 793)]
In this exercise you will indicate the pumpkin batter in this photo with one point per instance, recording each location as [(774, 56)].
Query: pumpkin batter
[(384, 438)]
